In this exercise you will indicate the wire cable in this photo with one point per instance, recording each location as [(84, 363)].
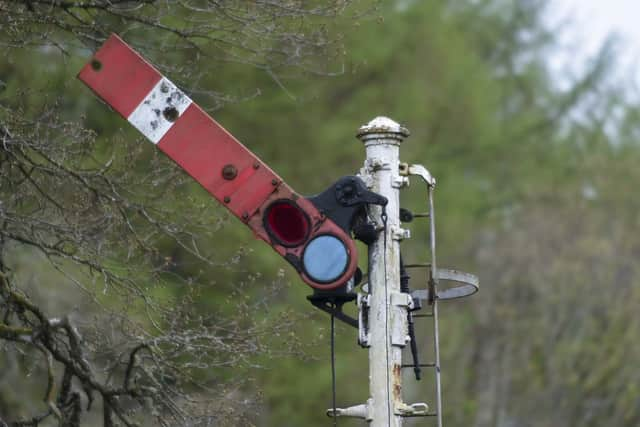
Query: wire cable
[(333, 368), (383, 217)]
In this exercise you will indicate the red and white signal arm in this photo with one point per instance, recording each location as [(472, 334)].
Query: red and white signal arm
[(323, 253)]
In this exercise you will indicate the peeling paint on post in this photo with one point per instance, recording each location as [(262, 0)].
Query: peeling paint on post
[(388, 321), (397, 383)]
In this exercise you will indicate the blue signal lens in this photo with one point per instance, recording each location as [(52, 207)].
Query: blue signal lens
[(325, 258)]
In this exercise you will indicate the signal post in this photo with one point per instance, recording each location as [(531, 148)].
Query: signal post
[(383, 305), (387, 305)]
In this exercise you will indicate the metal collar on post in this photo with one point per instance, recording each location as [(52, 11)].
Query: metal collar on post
[(382, 130)]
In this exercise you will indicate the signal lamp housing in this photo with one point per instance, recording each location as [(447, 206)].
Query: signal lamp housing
[(287, 223), (325, 258)]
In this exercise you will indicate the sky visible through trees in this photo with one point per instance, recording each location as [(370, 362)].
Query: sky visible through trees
[(585, 25)]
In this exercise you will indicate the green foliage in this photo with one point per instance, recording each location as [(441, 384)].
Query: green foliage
[(535, 193)]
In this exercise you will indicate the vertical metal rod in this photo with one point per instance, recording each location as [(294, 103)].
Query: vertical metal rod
[(333, 367), (434, 278), (387, 322)]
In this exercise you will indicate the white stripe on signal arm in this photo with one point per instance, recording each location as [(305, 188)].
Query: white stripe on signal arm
[(159, 110)]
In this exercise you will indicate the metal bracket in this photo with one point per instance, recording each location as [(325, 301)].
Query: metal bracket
[(363, 411), (364, 336), (399, 335), (332, 304), (466, 284), (399, 181), (418, 170), (399, 233), (413, 410), (402, 299)]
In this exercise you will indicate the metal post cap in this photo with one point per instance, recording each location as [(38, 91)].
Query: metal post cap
[(382, 128)]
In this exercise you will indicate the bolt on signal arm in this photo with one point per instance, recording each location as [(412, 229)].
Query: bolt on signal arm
[(322, 252)]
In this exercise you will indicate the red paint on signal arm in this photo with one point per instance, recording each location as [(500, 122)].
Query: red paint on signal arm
[(119, 76), (202, 147)]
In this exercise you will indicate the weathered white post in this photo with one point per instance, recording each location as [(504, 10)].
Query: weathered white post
[(388, 307)]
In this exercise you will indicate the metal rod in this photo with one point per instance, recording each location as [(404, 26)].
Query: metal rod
[(434, 280), (423, 315), (422, 365), (418, 265), (430, 414)]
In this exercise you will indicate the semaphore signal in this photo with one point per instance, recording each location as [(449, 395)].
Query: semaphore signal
[(314, 234), (293, 225)]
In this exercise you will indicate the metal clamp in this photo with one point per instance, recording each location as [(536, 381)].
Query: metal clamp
[(418, 170), (413, 410), (399, 233)]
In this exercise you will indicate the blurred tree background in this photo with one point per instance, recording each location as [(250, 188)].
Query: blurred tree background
[(186, 320)]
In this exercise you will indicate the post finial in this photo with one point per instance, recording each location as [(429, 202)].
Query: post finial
[(382, 128)]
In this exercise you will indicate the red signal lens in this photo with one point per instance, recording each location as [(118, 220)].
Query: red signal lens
[(287, 223)]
